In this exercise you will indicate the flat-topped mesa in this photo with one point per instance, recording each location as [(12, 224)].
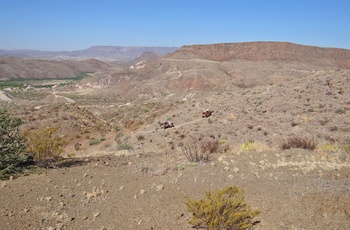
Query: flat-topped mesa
[(270, 51)]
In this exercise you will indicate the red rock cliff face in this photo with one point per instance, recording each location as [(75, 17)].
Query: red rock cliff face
[(274, 51)]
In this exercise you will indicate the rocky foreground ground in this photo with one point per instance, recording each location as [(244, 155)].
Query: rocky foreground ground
[(294, 189)]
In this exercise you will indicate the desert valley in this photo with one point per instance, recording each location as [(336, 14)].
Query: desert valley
[(122, 170)]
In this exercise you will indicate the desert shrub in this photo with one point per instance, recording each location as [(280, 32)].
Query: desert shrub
[(198, 149), (140, 137), (209, 146), (125, 146), (299, 142), (192, 152), (230, 132), (13, 159), (248, 145), (254, 146), (346, 148), (94, 141), (333, 128), (340, 111), (225, 209), (45, 146), (329, 147)]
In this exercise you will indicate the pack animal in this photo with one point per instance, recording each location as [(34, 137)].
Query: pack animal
[(207, 113), (166, 125)]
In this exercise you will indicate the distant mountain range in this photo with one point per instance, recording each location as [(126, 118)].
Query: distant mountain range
[(98, 52)]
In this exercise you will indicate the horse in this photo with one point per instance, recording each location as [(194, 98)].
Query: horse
[(166, 124), (207, 113), (77, 146)]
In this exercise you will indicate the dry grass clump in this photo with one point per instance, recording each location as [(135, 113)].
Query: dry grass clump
[(140, 137), (253, 146), (299, 142), (199, 151), (192, 152)]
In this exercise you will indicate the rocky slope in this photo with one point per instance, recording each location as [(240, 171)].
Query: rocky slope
[(21, 68), (230, 66)]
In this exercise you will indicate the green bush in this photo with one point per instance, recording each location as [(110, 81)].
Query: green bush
[(225, 209), (45, 146), (13, 159)]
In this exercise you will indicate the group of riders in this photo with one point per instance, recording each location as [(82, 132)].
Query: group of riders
[(169, 124)]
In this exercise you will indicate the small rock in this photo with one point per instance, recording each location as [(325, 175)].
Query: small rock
[(236, 170), (49, 198), (11, 214), (159, 187), (257, 175), (142, 191)]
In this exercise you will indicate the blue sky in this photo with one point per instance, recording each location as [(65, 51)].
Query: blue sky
[(78, 24)]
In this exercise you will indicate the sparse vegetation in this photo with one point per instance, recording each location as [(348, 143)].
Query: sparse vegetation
[(340, 111), (125, 146), (40, 82), (45, 145), (329, 147), (192, 152), (209, 146), (247, 146), (140, 137), (299, 142), (96, 141), (225, 209), (199, 150), (13, 158)]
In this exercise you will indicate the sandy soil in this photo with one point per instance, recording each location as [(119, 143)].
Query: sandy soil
[(294, 189)]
